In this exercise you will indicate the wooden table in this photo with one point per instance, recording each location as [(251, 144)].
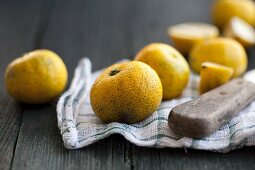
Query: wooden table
[(105, 31)]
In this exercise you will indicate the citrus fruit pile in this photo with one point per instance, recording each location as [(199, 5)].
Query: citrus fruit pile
[(131, 91)]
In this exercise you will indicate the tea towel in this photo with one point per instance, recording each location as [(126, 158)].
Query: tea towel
[(80, 127)]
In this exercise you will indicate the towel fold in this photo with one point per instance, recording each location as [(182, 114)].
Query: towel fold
[(80, 127)]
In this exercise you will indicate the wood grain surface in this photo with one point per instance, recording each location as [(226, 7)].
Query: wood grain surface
[(105, 31)]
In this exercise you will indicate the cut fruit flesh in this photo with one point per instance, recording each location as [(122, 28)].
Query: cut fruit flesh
[(213, 75), (193, 30), (241, 31), (186, 35)]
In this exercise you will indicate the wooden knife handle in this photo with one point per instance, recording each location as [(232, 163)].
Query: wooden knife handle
[(204, 115)]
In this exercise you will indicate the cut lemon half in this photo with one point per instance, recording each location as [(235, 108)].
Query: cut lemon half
[(241, 31), (186, 35), (213, 75)]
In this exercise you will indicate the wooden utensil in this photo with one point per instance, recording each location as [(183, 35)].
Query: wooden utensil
[(204, 115)]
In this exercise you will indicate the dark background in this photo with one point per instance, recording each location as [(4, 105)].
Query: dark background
[(105, 31)]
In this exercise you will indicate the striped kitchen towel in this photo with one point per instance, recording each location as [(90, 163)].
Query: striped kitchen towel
[(80, 127)]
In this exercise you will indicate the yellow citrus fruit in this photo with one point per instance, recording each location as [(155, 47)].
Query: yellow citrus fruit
[(241, 31), (224, 51), (213, 75), (172, 68), (186, 35), (224, 10), (127, 92), (36, 77)]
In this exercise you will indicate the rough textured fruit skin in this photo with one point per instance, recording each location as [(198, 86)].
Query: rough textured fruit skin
[(127, 92), (170, 65), (213, 75), (224, 51), (224, 10), (36, 77)]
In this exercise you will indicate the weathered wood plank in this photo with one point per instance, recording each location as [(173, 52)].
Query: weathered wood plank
[(40, 146), (10, 119), (76, 30), (17, 19), (107, 31), (193, 159)]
